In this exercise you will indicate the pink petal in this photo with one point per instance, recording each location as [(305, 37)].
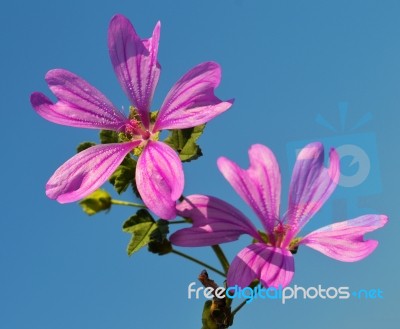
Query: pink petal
[(79, 103), (214, 222), (344, 241), (86, 171), (135, 63), (259, 185), (191, 101), (160, 179), (311, 186), (274, 267)]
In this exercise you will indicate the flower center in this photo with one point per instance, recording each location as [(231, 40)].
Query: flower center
[(134, 128), (277, 239), (279, 233)]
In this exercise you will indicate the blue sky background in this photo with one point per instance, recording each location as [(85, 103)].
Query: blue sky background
[(286, 63)]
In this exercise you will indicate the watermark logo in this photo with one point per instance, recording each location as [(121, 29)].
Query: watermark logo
[(359, 162), (282, 294)]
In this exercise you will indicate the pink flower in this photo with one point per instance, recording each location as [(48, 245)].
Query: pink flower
[(270, 258), (159, 174)]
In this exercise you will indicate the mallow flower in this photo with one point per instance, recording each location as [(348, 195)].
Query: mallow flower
[(159, 173), (269, 258)]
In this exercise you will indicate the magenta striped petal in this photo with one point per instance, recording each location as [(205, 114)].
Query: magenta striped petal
[(160, 179), (344, 241), (214, 222), (274, 267), (259, 185), (311, 186), (79, 103), (86, 171), (135, 63), (191, 101)]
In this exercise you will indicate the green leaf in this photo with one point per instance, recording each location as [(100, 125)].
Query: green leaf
[(160, 248), (141, 236), (184, 142), (145, 231), (162, 230), (159, 244), (98, 201), (108, 136), (124, 175), (142, 216), (83, 146), (140, 226)]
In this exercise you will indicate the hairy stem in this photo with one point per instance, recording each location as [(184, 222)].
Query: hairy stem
[(237, 309), (178, 222), (221, 257), (252, 286), (127, 203), (197, 262)]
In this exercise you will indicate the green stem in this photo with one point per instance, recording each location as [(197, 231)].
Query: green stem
[(237, 309), (197, 262), (221, 257), (126, 203), (178, 222)]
